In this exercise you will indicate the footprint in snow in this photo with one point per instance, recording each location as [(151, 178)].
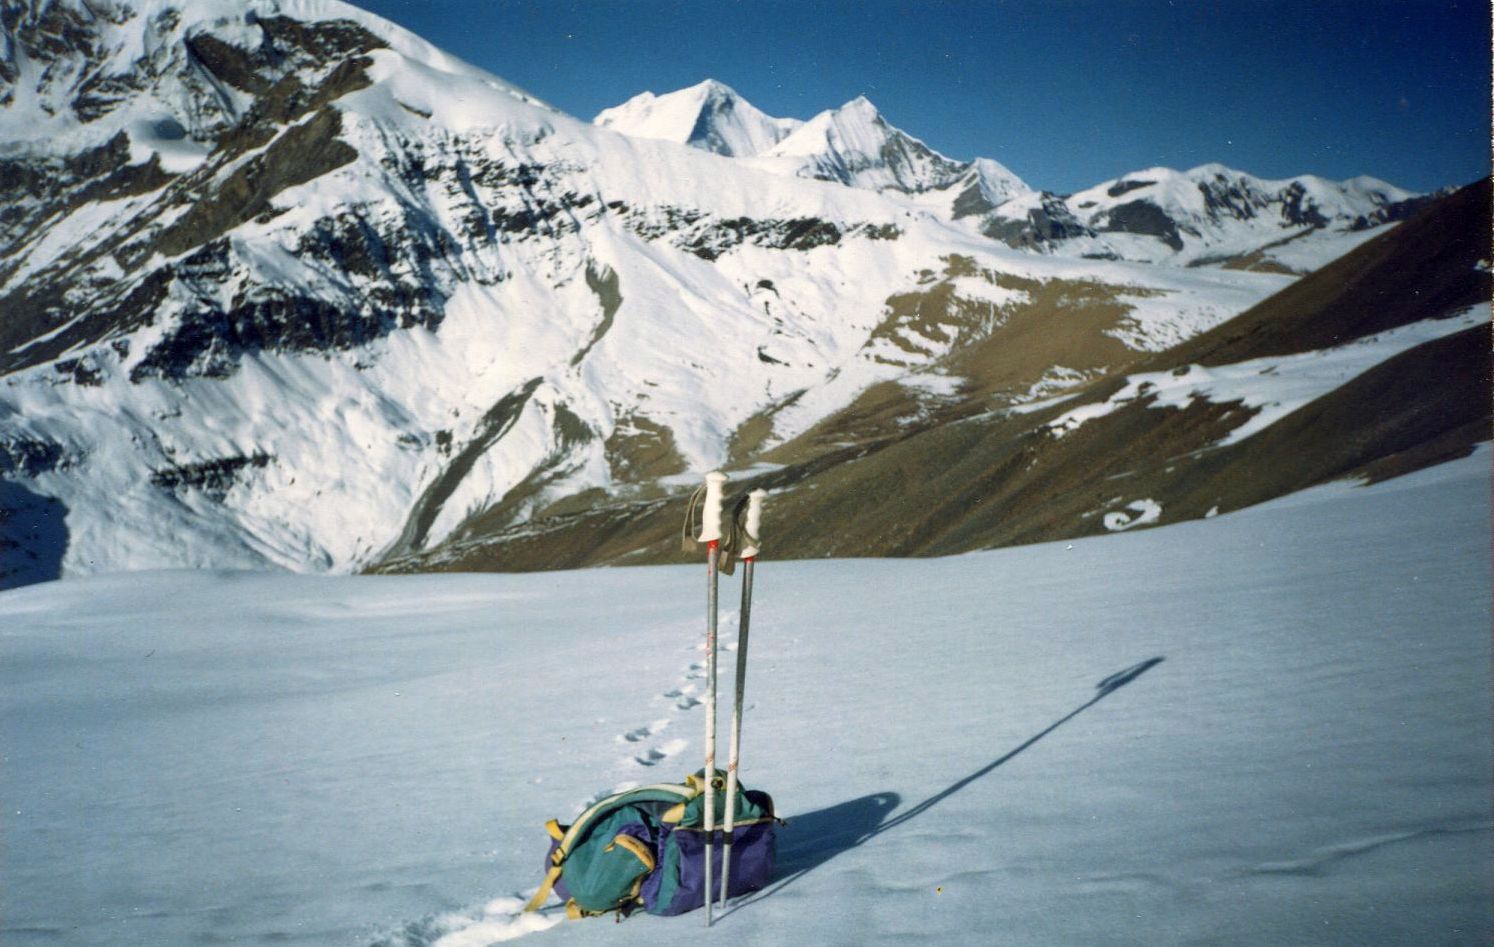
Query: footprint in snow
[(643, 733), (655, 755)]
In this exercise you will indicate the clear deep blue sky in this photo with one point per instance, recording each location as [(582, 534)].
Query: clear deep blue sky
[(1066, 94)]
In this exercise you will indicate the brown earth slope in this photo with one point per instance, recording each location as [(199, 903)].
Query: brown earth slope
[(961, 478)]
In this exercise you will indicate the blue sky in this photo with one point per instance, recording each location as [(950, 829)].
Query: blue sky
[(1066, 94)]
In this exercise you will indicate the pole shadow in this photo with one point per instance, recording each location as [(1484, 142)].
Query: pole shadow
[(814, 838), (810, 839), (1104, 689)]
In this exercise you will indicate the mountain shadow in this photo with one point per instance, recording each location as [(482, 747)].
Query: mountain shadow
[(33, 536)]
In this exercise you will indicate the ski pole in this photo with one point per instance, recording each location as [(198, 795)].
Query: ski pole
[(710, 533), (748, 556)]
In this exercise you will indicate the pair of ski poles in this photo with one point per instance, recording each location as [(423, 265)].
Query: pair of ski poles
[(710, 534)]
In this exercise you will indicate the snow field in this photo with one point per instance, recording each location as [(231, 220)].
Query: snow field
[(194, 757)]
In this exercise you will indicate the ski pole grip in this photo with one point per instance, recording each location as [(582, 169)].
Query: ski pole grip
[(754, 523), (710, 514)]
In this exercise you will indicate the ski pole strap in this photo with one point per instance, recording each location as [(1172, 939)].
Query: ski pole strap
[(742, 540), (753, 530), (727, 563), (687, 534)]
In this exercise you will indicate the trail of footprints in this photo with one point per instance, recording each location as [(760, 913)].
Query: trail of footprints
[(646, 742)]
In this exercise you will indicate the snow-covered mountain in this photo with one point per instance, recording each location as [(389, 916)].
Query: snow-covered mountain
[(1207, 215), (709, 116), (1373, 366), (851, 145), (1216, 214), (855, 146), (282, 284)]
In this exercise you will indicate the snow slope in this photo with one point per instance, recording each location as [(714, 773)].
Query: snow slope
[(211, 757), (1272, 387)]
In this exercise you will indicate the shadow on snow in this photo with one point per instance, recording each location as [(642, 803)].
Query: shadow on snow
[(33, 536), (810, 840)]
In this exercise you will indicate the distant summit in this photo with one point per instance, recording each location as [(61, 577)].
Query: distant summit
[(851, 145), (709, 116), (856, 146), (1210, 214)]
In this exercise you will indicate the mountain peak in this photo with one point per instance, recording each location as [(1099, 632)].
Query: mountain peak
[(714, 88), (709, 115), (856, 146)]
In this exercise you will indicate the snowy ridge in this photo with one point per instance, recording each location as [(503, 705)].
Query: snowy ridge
[(151, 86), (1271, 387), (852, 145)]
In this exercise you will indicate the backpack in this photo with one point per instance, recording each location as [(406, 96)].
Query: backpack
[(645, 848)]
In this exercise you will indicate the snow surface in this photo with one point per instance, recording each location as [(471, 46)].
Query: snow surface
[(1272, 727), (1142, 512)]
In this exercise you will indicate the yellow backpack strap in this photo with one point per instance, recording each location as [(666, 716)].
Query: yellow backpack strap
[(543, 894), (639, 850), (554, 829), (573, 910)]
